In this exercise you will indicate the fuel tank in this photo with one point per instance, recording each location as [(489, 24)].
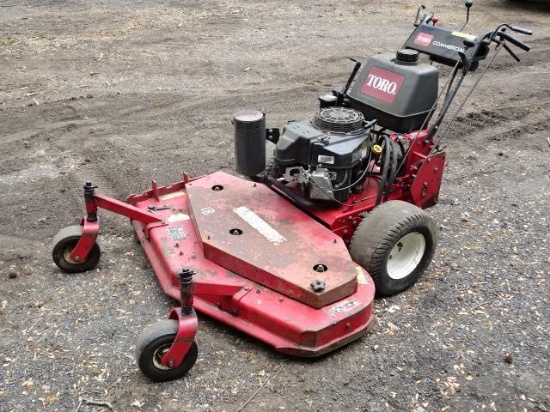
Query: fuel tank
[(396, 90)]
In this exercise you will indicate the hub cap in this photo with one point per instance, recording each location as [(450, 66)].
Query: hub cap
[(406, 255), (158, 355), (67, 255)]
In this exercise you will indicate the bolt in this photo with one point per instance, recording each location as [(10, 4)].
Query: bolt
[(171, 363), (317, 285)]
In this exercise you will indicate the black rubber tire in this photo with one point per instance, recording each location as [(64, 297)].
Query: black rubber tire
[(380, 231), (64, 243), (155, 340)]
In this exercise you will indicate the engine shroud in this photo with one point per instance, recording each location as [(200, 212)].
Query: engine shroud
[(322, 153)]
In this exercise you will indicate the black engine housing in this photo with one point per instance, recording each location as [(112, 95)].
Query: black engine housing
[(324, 155)]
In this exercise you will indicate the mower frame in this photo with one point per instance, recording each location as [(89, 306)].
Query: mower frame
[(304, 307)]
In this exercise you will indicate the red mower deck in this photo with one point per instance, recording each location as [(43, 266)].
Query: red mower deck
[(208, 229)]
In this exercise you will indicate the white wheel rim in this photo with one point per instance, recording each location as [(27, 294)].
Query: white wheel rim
[(406, 255)]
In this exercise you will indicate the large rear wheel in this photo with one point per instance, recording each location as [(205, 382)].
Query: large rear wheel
[(395, 243)]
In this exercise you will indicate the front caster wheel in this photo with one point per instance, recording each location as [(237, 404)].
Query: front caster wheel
[(152, 345), (395, 243), (64, 243)]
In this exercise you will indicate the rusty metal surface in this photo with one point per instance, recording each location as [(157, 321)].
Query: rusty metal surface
[(248, 229)]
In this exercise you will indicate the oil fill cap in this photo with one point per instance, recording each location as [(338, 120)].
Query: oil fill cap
[(407, 56)]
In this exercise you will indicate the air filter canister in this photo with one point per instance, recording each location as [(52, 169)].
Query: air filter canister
[(249, 141)]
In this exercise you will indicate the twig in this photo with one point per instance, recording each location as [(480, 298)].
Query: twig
[(478, 306), (258, 390), (33, 325), (93, 402)]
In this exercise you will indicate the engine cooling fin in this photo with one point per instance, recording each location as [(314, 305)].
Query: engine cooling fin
[(339, 120)]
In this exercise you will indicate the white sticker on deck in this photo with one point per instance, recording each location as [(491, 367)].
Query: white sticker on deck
[(342, 307), (260, 225), (178, 217)]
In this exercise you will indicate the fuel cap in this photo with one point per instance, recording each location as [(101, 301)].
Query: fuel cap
[(407, 56)]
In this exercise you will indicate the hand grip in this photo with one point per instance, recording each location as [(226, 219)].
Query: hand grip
[(514, 41), (521, 30)]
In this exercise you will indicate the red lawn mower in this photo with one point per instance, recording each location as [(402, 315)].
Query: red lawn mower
[(294, 253)]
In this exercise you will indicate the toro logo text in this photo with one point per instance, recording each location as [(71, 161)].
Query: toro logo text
[(423, 39), (382, 84)]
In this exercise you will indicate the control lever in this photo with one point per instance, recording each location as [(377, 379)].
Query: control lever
[(468, 5), (416, 22), (340, 96), (509, 50)]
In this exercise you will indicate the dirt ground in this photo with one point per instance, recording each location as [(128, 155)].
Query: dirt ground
[(125, 91)]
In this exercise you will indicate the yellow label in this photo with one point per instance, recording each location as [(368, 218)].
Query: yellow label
[(464, 35), (172, 195), (361, 278)]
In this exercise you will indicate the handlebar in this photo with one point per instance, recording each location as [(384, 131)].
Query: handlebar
[(450, 47), (521, 30), (513, 40), (500, 36)]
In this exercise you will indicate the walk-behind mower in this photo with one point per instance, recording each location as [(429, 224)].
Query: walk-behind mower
[(294, 253)]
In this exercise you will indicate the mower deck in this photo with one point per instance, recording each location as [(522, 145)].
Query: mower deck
[(262, 265)]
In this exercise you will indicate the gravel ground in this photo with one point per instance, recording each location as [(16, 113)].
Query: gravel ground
[(123, 92)]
